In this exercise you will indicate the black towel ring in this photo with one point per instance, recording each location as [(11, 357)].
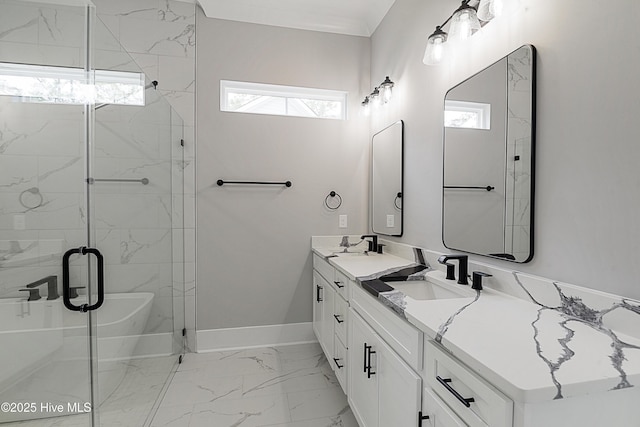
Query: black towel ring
[(395, 201), (332, 194)]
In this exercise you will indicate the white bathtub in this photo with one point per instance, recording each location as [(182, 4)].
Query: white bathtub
[(44, 347)]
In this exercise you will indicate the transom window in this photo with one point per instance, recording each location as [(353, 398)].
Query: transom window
[(259, 98), (466, 114)]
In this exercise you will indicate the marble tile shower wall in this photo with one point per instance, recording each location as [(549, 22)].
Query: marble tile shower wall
[(40, 146), (159, 35)]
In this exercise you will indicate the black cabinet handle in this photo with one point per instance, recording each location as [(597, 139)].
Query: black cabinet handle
[(364, 363), (339, 284), (318, 288), (337, 317), (66, 289), (466, 401), (421, 418), (337, 364), (369, 353)]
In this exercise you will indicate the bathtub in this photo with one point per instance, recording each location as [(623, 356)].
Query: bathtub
[(46, 359)]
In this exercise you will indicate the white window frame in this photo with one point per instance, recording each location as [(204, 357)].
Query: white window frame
[(73, 86), (289, 93), (481, 110)]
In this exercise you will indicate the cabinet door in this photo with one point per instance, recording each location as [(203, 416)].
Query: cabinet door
[(399, 389), (327, 331), (438, 413), (318, 291), (363, 378)]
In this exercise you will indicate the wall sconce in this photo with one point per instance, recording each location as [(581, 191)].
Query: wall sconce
[(380, 95), (464, 22)]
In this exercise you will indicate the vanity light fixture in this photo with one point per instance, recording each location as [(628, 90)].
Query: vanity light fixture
[(380, 95), (464, 22)]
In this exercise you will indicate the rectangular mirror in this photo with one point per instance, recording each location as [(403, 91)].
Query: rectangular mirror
[(387, 148), (487, 195)]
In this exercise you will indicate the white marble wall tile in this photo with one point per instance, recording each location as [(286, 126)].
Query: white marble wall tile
[(160, 38), (175, 11), (26, 53), (19, 23), (138, 8), (190, 245), (161, 316), (176, 74), (145, 246), (153, 278), (189, 285), (62, 26), (182, 101)]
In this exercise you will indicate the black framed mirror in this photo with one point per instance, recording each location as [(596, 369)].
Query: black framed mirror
[(387, 170), (488, 151)]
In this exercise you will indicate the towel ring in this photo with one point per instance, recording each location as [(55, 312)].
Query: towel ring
[(332, 194), (395, 201), (34, 203)]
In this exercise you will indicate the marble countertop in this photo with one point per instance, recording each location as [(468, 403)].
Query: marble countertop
[(534, 350)]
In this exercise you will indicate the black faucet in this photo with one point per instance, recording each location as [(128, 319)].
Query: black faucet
[(52, 286), (373, 243), (463, 263), (476, 281)]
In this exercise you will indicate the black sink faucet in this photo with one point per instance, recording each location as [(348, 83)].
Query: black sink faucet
[(463, 265), (52, 286), (373, 243)]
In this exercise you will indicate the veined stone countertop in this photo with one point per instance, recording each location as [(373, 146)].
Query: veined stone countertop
[(555, 341)]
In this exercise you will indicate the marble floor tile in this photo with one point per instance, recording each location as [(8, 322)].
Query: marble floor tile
[(307, 405), (246, 412), (284, 382)]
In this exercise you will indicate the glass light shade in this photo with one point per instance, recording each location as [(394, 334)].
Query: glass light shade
[(386, 88), (463, 23), (374, 98), (366, 106), (489, 9), (435, 50)]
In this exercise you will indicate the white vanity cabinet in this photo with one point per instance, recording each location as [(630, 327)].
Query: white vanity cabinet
[(330, 315), (383, 389), (471, 398)]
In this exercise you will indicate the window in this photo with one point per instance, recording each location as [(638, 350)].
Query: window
[(63, 85), (257, 98), (466, 114)]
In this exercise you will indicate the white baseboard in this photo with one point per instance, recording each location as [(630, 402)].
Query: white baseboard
[(254, 336)]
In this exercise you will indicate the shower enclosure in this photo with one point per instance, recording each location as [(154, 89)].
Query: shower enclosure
[(91, 223)]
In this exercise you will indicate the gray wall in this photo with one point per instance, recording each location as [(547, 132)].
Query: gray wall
[(253, 260), (587, 229)]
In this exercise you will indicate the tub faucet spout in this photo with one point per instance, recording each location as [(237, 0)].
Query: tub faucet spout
[(52, 286)]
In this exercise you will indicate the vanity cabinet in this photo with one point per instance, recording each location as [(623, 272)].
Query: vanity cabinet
[(330, 315), (471, 398), (383, 390)]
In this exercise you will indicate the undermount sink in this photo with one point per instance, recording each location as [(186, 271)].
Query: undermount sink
[(424, 290), (341, 254)]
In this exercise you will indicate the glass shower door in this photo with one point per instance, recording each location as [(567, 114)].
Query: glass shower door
[(45, 366), (90, 201)]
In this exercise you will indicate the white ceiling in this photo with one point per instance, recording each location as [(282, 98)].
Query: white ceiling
[(353, 17)]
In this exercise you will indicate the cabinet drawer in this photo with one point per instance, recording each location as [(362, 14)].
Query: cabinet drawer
[(340, 363), (324, 268), (341, 284), (405, 339), (439, 414), (340, 316), (454, 382)]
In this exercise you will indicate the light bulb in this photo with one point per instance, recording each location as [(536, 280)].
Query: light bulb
[(464, 23), (375, 98), (435, 49), (387, 89)]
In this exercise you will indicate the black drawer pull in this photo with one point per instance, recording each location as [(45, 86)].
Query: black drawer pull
[(364, 364), (369, 353), (318, 288), (337, 317), (466, 401), (421, 418), (339, 285), (337, 364)]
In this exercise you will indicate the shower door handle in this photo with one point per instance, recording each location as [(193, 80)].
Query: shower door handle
[(66, 290)]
